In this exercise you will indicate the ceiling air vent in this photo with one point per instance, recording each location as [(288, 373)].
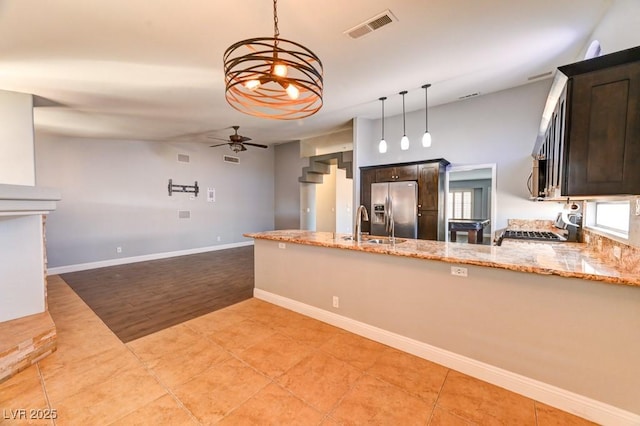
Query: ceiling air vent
[(231, 159), (371, 24), (471, 95), (183, 158)]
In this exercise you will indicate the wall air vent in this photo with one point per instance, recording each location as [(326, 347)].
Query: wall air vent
[(183, 158), (371, 24), (184, 214), (231, 159)]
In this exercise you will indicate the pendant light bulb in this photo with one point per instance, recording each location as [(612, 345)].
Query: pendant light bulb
[(252, 84), (382, 146), (280, 70), (293, 91), (426, 138), (404, 142)]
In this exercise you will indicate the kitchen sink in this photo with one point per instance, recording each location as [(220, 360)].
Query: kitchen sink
[(378, 240), (374, 239)]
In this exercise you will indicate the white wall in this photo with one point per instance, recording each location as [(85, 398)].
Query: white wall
[(496, 128), (618, 29), (326, 202), (21, 270), (16, 139), (114, 194), (334, 202)]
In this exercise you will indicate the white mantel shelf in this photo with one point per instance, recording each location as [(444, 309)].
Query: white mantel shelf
[(22, 200)]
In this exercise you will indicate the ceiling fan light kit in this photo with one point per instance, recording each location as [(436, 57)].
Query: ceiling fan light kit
[(270, 77)]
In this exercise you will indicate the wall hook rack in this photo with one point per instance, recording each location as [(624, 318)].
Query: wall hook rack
[(193, 189)]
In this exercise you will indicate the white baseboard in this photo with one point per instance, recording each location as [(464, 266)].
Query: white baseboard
[(122, 261), (579, 405)]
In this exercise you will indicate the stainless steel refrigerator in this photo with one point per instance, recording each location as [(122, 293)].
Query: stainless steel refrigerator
[(400, 199)]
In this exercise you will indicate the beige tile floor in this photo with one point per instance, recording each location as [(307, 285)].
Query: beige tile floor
[(251, 363)]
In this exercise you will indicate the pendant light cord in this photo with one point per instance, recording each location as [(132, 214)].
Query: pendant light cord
[(404, 124), (382, 99), (276, 31), (426, 114)]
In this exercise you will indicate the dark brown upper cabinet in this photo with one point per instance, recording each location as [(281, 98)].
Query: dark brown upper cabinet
[(396, 173), (602, 137)]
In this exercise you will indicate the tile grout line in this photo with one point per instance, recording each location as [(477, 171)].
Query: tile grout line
[(435, 403), (44, 390), (164, 386)]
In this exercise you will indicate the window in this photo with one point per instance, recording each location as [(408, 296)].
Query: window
[(613, 217), (460, 204)]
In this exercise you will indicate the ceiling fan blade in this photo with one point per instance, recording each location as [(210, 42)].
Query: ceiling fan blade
[(256, 144), (218, 139), (244, 139), (220, 144), (244, 148)]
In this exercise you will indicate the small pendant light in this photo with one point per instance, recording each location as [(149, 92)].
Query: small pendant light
[(426, 138), (382, 146), (404, 142)]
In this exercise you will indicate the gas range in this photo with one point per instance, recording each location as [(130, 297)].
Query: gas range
[(545, 236)]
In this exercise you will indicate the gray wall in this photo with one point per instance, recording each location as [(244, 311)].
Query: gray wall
[(498, 128), (114, 194), (288, 168)]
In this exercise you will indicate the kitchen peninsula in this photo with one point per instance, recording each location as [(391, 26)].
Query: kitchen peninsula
[(553, 322)]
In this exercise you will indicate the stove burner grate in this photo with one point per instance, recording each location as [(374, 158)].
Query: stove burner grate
[(533, 235)]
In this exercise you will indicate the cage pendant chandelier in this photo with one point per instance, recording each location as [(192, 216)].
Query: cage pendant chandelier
[(271, 77)]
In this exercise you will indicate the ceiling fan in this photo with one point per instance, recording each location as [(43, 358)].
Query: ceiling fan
[(237, 142)]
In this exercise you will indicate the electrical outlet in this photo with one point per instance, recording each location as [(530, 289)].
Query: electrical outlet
[(458, 271), (336, 302), (617, 252), (282, 245), (118, 249)]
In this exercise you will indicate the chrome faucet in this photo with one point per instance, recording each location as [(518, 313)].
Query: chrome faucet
[(361, 214)]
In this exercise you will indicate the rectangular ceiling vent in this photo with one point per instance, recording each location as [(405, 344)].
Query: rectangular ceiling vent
[(371, 24), (183, 158), (231, 159), (471, 95)]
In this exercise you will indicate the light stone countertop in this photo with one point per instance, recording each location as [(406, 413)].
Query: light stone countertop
[(573, 260)]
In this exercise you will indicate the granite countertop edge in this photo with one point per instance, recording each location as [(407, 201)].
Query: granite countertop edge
[(570, 260)]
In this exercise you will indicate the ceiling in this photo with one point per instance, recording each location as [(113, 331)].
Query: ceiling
[(152, 69)]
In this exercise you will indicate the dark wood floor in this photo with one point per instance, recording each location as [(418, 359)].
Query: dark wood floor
[(137, 299)]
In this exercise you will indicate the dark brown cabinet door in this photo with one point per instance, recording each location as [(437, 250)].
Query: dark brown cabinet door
[(603, 127), (428, 225), (407, 172), (428, 186), (396, 173)]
